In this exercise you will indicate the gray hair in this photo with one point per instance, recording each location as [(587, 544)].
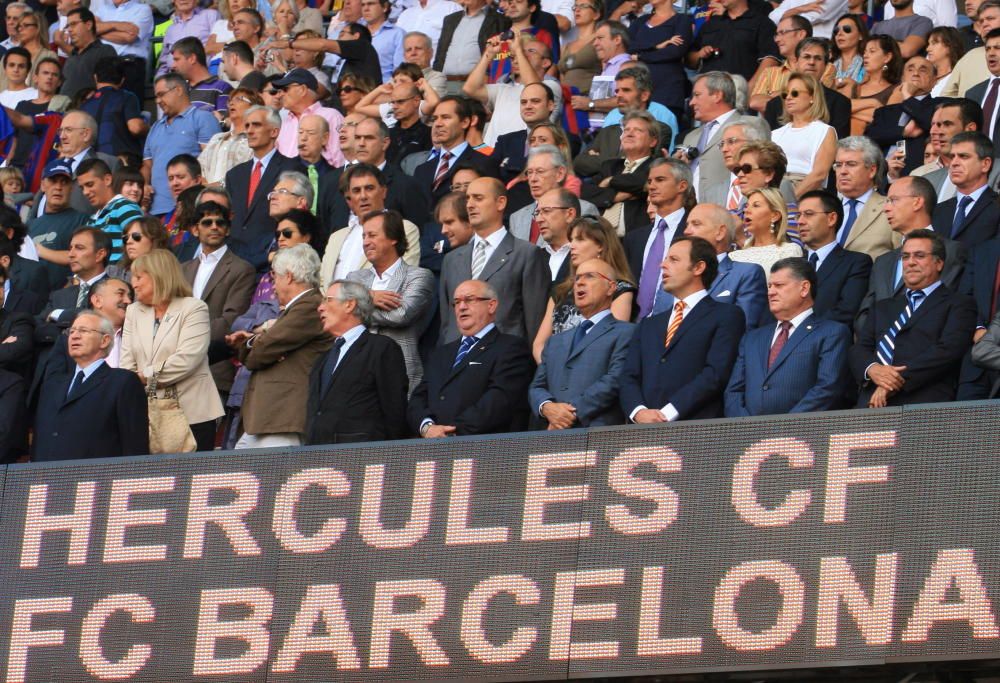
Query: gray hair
[(558, 160), (104, 326), (428, 43), (294, 6), (678, 169), (18, 5), (742, 101), (754, 128), (273, 118), (303, 188), (640, 74), (720, 81), (301, 262), (349, 290), (617, 30), (87, 121), (871, 155), (215, 188)]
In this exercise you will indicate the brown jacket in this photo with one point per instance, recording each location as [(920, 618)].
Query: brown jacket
[(280, 360), (227, 294)]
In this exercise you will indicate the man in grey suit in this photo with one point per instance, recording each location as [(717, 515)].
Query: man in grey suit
[(713, 103), (576, 384), (400, 292), (517, 271), (908, 207), (546, 169)]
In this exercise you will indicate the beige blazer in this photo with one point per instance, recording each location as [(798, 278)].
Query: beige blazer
[(336, 242), (177, 354), (871, 233)]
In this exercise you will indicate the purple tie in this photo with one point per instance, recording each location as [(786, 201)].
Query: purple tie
[(650, 278)]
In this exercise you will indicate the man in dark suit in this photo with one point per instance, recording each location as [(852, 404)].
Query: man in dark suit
[(669, 182), (449, 61), (17, 299), (476, 385), (980, 92), (812, 57), (891, 123), (510, 149), (743, 284), (842, 275), (95, 411), (371, 142), (222, 280), (357, 390), (16, 346), (25, 275), (679, 362), (576, 383), (798, 365), (913, 200), (12, 422), (249, 184), (517, 271), (973, 214), (88, 260), (449, 127), (912, 345), (981, 281)]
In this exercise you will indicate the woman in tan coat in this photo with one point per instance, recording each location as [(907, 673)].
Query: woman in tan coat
[(166, 335)]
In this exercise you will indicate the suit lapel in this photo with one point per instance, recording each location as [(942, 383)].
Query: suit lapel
[(725, 268), (356, 349), (498, 258), (800, 333), (170, 319), (95, 380), (977, 208), (866, 219), (219, 274), (600, 329), (266, 178), (472, 356), (692, 319), (932, 302)]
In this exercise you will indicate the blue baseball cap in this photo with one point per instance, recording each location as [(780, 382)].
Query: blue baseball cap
[(58, 167)]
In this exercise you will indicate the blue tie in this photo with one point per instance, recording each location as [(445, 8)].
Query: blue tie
[(76, 383), (852, 215), (463, 349), (814, 260), (887, 345), (579, 334), (963, 206), (330, 364)]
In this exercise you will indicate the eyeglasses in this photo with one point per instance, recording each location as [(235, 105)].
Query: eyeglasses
[(134, 237), (730, 141), (747, 169), (273, 91), (590, 277), (846, 29), (546, 210), (809, 213), (892, 201), (241, 98), (209, 222), (791, 93), (69, 129), (347, 89), (468, 300), (20, 26), (82, 330), (785, 32), (287, 233), (163, 93), (846, 164), (281, 191), (404, 100), (536, 172)]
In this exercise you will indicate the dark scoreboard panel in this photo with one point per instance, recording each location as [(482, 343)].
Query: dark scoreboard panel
[(853, 538)]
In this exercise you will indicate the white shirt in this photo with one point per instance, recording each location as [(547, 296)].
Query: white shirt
[(352, 252), (206, 266), (114, 357), (941, 12), (427, 19), (296, 298), (492, 242), (381, 282), (87, 372), (133, 12), (556, 257), (349, 338), (822, 21), (11, 98), (821, 253), (690, 301), (796, 321), (673, 222)]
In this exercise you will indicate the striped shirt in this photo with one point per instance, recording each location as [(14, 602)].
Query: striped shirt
[(113, 219), (211, 95)]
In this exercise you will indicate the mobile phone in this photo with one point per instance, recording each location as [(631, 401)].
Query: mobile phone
[(901, 146)]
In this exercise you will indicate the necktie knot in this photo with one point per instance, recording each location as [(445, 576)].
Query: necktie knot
[(661, 225), (586, 325), (786, 325), (814, 260), (339, 342), (464, 348), (679, 308), (915, 297)]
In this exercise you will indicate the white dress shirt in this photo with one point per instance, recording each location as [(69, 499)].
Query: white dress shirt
[(349, 338), (556, 257), (352, 252), (381, 282), (492, 242), (116, 349), (207, 264), (796, 322)]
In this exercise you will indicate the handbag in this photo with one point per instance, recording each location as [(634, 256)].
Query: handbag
[(169, 431)]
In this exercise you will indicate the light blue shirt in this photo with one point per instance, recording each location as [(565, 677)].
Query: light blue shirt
[(388, 43), (133, 12), (659, 112), (87, 372), (349, 338), (187, 133), (928, 290), (821, 253)]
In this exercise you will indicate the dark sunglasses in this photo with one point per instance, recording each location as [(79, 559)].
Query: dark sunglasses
[(134, 236), (273, 91), (209, 222), (287, 233), (791, 93), (847, 29), (348, 89), (747, 169)]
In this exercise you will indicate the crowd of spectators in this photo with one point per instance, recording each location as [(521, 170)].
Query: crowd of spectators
[(330, 221)]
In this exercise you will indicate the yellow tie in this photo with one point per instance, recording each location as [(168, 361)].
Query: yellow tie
[(675, 323)]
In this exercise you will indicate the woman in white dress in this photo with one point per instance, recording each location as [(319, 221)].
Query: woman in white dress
[(809, 142), (765, 219)]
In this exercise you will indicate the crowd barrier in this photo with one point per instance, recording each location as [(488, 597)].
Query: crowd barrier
[(836, 539)]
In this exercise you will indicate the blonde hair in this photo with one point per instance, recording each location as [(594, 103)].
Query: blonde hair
[(10, 172), (164, 270), (776, 201), (818, 111)]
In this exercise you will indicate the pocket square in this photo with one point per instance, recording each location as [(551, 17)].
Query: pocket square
[(474, 362), (725, 293)]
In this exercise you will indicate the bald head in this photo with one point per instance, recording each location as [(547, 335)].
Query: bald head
[(594, 287), (486, 199), (711, 222)]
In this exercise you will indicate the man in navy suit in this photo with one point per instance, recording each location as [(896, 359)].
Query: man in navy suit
[(679, 362), (576, 383), (478, 384), (797, 365), (94, 411), (510, 150), (973, 214), (911, 346), (842, 275), (743, 284)]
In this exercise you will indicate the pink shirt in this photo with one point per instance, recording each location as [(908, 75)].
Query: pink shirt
[(288, 136)]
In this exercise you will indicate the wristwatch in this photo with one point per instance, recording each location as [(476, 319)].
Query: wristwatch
[(590, 105)]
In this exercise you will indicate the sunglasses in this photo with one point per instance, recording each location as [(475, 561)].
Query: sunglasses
[(209, 222), (791, 93), (846, 29), (747, 169), (287, 233), (134, 237), (347, 89), (273, 91)]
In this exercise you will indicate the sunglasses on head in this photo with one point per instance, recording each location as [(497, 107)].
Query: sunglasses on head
[(287, 233), (209, 222), (846, 29)]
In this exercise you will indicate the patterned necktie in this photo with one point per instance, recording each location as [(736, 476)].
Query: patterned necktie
[(76, 383), (887, 345), (735, 196), (675, 323), (330, 364), (779, 343), (478, 259), (580, 334), (314, 181), (852, 215), (442, 169), (463, 349), (963, 207), (706, 135), (649, 280), (81, 295), (258, 169)]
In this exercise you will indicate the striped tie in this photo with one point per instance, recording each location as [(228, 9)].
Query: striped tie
[(463, 350), (442, 170), (887, 345), (675, 323), (478, 259)]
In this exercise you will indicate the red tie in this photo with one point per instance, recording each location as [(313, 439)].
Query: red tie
[(254, 182), (535, 230), (779, 343), (442, 169)]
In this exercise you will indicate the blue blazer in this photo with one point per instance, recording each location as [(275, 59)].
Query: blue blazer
[(810, 373), (692, 373), (586, 376), (743, 284), (842, 281)]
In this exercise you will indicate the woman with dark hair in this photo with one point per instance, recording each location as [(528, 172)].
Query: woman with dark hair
[(849, 36), (944, 48), (883, 67), (661, 40), (140, 237), (579, 63), (350, 89), (128, 182), (185, 215)]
